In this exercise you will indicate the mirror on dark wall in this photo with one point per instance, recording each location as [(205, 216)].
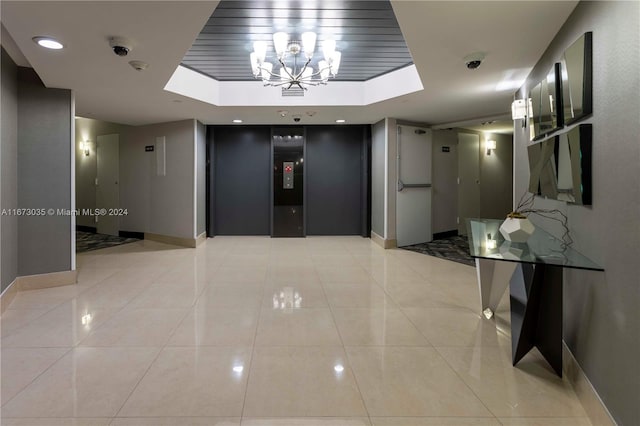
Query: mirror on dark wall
[(577, 72), (546, 104), (535, 99), (542, 177), (560, 167)]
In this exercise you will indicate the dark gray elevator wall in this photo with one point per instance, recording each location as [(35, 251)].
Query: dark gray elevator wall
[(241, 181), (44, 175), (336, 193)]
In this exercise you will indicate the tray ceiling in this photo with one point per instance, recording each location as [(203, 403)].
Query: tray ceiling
[(366, 32)]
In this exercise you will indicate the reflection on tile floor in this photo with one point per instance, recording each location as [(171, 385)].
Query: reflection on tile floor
[(322, 331)]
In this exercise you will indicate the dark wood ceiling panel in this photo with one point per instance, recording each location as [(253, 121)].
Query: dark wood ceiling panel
[(366, 32), (305, 4)]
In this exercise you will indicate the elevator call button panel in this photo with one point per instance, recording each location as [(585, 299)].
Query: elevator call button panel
[(287, 175)]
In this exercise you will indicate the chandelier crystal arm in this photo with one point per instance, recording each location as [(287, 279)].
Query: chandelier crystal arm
[(271, 74)]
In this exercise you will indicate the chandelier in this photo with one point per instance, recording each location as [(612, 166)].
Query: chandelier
[(295, 71)]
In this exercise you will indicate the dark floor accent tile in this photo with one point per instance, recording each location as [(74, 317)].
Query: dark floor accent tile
[(90, 229), (454, 248), (87, 241)]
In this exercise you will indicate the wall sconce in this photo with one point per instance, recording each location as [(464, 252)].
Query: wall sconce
[(519, 110), (490, 145), (86, 147)]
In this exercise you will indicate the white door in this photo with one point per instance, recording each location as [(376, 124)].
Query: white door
[(468, 179), (107, 191), (413, 202)]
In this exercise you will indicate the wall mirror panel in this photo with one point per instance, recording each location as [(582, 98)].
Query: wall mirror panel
[(546, 105), (542, 177), (535, 97), (560, 167), (577, 79)]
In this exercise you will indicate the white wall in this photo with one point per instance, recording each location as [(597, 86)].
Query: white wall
[(159, 204), (391, 178), (378, 167), (601, 321)]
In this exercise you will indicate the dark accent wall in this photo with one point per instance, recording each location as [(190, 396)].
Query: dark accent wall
[(241, 180), (336, 162), (601, 321), (201, 180), (9, 168), (337, 181), (44, 175)]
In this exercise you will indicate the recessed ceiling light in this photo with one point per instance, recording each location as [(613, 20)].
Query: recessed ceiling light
[(48, 42), (237, 121), (341, 120)]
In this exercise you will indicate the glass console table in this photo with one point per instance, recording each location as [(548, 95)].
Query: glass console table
[(533, 272)]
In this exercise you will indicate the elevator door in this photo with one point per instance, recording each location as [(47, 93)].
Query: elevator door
[(288, 182), (241, 158)]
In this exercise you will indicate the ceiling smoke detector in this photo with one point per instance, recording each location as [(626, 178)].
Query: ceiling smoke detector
[(139, 65)]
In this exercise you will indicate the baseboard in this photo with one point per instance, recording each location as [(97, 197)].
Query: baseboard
[(176, 241), (52, 279), (587, 395), (382, 242), (35, 282), (445, 234), (201, 239), (131, 234), (7, 296), (90, 229)]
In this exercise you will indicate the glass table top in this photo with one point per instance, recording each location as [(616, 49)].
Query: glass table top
[(486, 242)]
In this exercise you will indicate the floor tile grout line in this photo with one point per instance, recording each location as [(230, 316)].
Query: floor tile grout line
[(69, 349), (31, 321), (253, 351), (344, 350), (465, 383), (442, 357), (160, 349), (142, 376), (78, 268)]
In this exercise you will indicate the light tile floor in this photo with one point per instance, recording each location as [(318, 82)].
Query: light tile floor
[(257, 331)]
